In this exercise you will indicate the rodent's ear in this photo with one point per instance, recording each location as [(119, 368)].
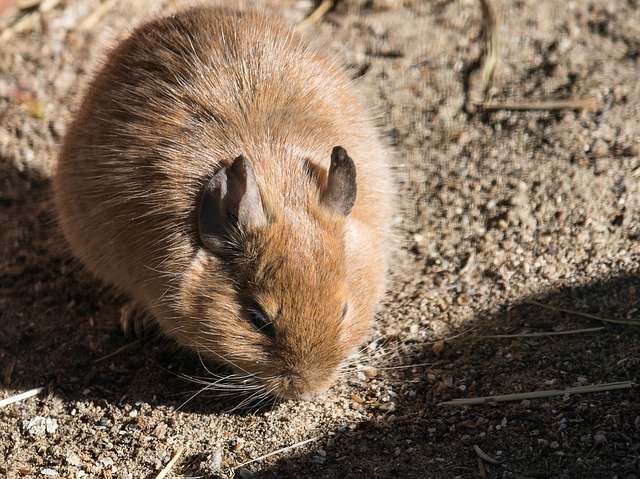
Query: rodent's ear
[(231, 198), (339, 196)]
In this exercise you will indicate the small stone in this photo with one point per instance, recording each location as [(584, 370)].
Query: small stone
[(442, 386), (239, 444), (387, 406), (244, 473), (463, 300), (39, 426), (437, 347), (160, 430), (554, 445), (322, 452), (370, 372), (214, 461), (526, 402), (356, 398), (600, 438), (48, 472)]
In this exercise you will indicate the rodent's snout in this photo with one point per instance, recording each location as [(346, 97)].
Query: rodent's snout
[(297, 387)]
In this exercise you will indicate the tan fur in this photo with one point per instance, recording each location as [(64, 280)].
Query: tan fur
[(182, 97)]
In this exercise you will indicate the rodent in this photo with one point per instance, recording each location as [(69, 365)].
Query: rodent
[(223, 173)]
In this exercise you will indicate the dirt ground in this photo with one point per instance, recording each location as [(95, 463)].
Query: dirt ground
[(493, 209)]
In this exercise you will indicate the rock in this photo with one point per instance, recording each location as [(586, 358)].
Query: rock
[(244, 473), (39, 426), (437, 347), (370, 372), (214, 461)]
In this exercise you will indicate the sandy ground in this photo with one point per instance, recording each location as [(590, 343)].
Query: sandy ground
[(494, 209)]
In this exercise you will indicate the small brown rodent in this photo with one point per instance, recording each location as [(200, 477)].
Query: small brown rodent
[(210, 174)]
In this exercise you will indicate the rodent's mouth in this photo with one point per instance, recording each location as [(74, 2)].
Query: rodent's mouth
[(298, 387)]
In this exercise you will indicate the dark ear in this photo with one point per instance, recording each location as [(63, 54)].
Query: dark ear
[(230, 199), (339, 195)]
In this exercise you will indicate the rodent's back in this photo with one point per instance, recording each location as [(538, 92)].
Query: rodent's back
[(171, 102), (181, 96)]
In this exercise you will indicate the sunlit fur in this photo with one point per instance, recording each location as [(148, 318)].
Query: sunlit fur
[(180, 98)]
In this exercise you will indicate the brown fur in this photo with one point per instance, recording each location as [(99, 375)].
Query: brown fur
[(182, 97)]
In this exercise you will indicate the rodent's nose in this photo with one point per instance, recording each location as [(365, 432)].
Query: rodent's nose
[(298, 388)]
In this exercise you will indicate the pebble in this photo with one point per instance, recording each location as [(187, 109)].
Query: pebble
[(244, 473), (48, 472), (437, 347), (39, 426), (370, 372), (387, 406), (73, 459), (160, 430), (214, 461)]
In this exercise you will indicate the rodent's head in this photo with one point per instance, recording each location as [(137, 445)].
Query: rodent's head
[(284, 315)]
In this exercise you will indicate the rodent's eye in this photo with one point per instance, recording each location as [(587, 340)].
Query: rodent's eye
[(261, 320), (344, 311)]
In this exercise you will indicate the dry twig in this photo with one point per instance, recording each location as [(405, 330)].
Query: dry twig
[(491, 58), (277, 451), (482, 455), (20, 397), (176, 455), (584, 315), (405, 366), (119, 350), (540, 394), (542, 334), (490, 26), (569, 104), (316, 15)]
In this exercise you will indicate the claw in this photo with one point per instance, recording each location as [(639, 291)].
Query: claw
[(135, 322)]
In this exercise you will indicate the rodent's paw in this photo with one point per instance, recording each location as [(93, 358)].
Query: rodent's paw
[(135, 322)]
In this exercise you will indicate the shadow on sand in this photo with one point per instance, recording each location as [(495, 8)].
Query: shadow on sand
[(55, 322)]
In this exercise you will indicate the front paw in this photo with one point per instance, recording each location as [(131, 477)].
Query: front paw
[(135, 322)]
